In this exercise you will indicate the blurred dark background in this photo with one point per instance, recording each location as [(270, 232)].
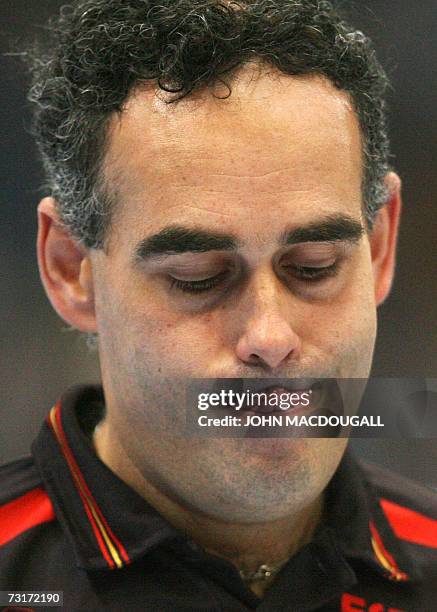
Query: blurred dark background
[(41, 357)]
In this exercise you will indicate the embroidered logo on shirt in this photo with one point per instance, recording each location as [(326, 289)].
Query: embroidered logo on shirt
[(352, 603)]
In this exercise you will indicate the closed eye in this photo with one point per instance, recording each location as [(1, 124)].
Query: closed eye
[(302, 273), (197, 286), (313, 274)]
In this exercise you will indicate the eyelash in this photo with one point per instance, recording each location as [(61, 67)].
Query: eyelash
[(305, 274)]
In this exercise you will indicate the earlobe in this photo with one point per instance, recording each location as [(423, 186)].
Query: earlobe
[(383, 239), (65, 269)]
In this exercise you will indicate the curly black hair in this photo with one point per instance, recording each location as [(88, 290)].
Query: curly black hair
[(98, 50)]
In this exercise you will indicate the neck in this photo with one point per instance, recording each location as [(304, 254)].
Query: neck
[(247, 546), (250, 545)]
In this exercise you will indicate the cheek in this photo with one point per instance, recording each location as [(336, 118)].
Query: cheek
[(343, 329), (138, 329), (173, 343)]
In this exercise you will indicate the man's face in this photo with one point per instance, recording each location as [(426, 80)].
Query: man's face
[(281, 157)]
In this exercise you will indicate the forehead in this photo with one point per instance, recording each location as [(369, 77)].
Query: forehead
[(282, 143)]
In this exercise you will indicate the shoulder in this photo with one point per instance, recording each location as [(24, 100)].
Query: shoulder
[(24, 503), (409, 506), (16, 478)]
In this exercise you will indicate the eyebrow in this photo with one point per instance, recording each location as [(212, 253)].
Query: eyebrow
[(176, 239)]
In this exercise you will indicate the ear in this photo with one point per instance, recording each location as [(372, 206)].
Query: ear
[(65, 269), (383, 239)]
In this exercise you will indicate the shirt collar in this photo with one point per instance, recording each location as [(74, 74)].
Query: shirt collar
[(361, 528), (110, 525)]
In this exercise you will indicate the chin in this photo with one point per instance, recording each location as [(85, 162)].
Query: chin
[(293, 449), (272, 477)]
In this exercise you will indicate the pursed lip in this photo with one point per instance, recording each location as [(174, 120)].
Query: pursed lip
[(322, 396), (286, 384)]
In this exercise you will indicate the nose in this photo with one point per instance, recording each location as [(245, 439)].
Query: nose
[(268, 337)]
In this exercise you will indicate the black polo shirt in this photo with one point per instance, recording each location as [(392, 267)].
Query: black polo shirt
[(67, 523)]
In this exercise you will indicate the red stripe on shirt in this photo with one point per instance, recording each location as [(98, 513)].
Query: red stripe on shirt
[(384, 557), (94, 526), (410, 525), (29, 510), (78, 476)]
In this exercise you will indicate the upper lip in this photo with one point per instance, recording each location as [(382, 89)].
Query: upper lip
[(289, 384)]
